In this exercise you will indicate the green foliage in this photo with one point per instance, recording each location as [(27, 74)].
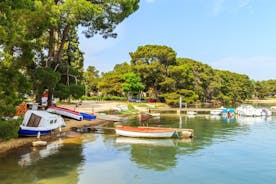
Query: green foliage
[(114, 98), (188, 96), (13, 88), (46, 77), (39, 38), (151, 63), (98, 98), (62, 91), (91, 78), (110, 84), (9, 128), (149, 53), (77, 91), (132, 83), (171, 98), (265, 88), (233, 87)]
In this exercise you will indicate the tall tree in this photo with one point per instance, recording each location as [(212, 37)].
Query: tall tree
[(91, 77), (132, 84), (151, 63), (99, 17)]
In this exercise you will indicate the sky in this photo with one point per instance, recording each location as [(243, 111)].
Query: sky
[(234, 35)]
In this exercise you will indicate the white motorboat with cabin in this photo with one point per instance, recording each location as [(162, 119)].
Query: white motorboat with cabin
[(39, 123)]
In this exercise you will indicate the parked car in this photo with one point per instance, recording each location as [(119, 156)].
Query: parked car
[(134, 100), (151, 100)]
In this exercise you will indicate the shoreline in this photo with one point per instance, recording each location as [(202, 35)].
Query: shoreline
[(88, 107), (12, 144)]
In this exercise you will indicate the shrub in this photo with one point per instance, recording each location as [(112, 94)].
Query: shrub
[(9, 128)]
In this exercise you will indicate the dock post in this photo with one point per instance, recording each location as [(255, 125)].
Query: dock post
[(180, 105)]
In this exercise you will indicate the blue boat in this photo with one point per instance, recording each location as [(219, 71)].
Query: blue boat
[(87, 116), (228, 110)]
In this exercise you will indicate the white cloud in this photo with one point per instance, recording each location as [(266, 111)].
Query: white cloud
[(257, 68)]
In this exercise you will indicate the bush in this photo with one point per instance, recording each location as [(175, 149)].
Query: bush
[(9, 128)]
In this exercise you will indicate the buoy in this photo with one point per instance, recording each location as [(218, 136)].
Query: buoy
[(39, 143)]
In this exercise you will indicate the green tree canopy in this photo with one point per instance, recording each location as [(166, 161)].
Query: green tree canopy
[(132, 83)]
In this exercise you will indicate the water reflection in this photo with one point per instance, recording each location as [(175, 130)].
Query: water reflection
[(39, 153), (56, 162), (252, 120), (101, 156), (162, 154), (141, 141)]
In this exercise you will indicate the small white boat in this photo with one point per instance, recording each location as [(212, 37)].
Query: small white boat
[(215, 111), (65, 112), (155, 114), (273, 108), (249, 110), (191, 113), (146, 132), (39, 123)]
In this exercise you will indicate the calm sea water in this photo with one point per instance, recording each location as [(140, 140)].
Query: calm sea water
[(240, 150)]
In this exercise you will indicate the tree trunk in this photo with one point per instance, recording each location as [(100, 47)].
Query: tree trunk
[(50, 97), (62, 42), (50, 51)]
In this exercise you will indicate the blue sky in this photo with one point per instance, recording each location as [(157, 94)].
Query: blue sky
[(234, 35)]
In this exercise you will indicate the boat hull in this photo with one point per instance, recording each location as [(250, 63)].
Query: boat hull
[(215, 112), (27, 132), (66, 112), (87, 116), (144, 132)]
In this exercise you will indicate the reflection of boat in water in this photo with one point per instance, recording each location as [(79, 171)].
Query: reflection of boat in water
[(151, 142), (252, 120), (191, 113), (217, 111), (215, 117), (38, 153), (146, 132), (146, 116)]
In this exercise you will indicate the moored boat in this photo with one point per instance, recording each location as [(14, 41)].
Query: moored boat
[(144, 116), (39, 123), (87, 116), (146, 132), (191, 112), (65, 112), (249, 110), (215, 111)]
